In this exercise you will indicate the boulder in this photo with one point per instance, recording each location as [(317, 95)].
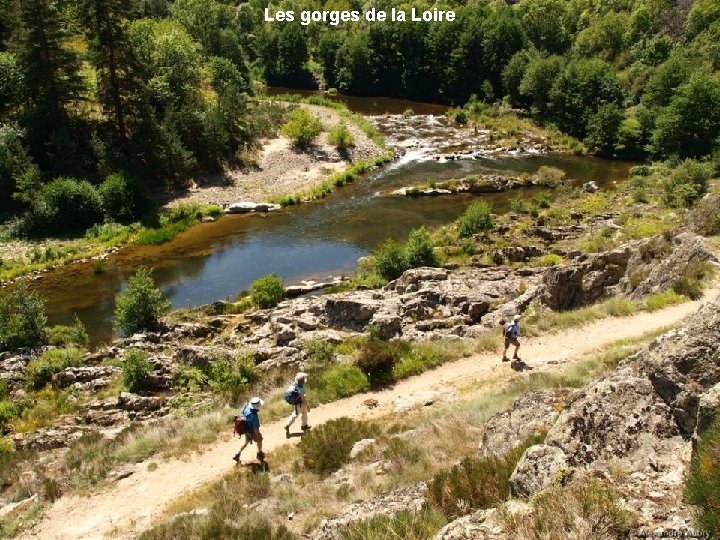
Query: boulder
[(360, 446), (386, 325), (563, 287), (351, 313), (92, 377), (406, 499), (619, 416), (684, 364), (531, 414), (200, 356), (538, 467), (590, 187), (246, 207), (708, 409)]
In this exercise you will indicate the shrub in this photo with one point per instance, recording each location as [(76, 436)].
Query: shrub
[(65, 205), (419, 249), (518, 206), (8, 411), (476, 483), (550, 176), (588, 508), (136, 368), (661, 300), (341, 138), (123, 198), (319, 351), (327, 448), (477, 218), (390, 260), (687, 183), (39, 372), (232, 377), (377, 358), (690, 283), (141, 305), (22, 318), (74, 334), (702, 487), (268, 291), (302, 128), (542, 200), (340, 381), (406, 525)]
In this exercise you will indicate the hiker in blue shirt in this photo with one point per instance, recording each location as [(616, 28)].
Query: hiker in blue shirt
[(252, 427), (511, 332), (295, 396)]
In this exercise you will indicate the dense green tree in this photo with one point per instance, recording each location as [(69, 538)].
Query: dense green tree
[(538, 79), (545, 23), (690, 125), (22, 318), (11, 84), (140, 306), (106, 22), (582, 87), (14, 161), (603, 127)]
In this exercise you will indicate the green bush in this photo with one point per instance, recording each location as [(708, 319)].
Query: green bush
[(8, 411), (476, 483), (141, 305), (65, 335), (687, 183), (339, 381), (341, 138), (477, 218), (136, 368), (377, 358), (268, 291), (550, 176), (302, 127), (318, 351), (419, 249), (65, 205), (123, 198), (542, 200), (39, 372), (390, 260), (406, 525), (702, 487), (327, 448), (231, 377), (22, 318)]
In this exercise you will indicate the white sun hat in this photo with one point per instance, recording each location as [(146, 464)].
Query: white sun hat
[(256, 403)]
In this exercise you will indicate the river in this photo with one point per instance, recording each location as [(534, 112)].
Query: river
[(217, 260)]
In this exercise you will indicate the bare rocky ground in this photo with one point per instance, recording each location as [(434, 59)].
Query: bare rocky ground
[(282, 169)]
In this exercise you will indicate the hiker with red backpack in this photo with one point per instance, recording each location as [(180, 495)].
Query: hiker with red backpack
[(247, 425), (295, 396)]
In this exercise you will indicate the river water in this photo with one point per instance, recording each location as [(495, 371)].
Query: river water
[(217, 260)]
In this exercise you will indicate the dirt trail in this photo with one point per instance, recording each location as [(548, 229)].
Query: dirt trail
[(130, 505)]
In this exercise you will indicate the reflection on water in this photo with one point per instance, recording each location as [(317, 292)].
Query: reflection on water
[(217, 260)]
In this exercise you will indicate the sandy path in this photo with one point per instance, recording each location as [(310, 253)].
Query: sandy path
[(131, 504)]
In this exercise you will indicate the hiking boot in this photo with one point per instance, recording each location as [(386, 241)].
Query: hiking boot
[(306, 428), (505, 359), (287, 432), (236, 458)]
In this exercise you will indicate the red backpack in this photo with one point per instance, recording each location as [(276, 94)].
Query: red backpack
[(240, 425)]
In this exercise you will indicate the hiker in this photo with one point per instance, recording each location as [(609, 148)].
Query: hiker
[(295, 396), (511, 332), (252, 427)]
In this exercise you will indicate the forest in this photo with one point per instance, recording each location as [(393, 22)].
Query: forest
[(102, 100)]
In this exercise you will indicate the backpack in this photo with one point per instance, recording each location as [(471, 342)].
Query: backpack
[(508, 331), (240, 425), (292, 396)]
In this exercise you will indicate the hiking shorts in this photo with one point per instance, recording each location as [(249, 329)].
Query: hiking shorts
[(511, 341)]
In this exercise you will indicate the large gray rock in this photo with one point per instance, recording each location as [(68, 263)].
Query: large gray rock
[(401, 500), (350, 311), (615, 417), (537, 469), (563, 287), (90, 377), (684, 364), (708, 409), (531, 414)]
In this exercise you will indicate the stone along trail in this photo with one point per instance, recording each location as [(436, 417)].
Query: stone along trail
[(131, 505)]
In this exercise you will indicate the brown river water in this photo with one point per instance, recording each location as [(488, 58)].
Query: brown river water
[(213, 261)]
